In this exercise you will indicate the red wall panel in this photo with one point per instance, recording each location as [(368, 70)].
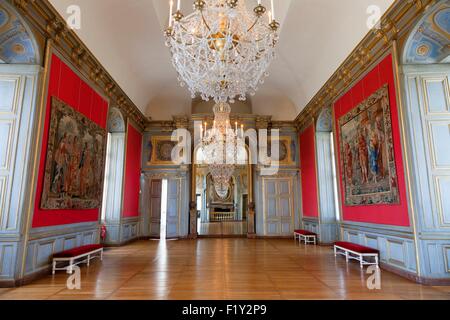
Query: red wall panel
[(308, 173), (65, 84), (378, 214), (132, 173)]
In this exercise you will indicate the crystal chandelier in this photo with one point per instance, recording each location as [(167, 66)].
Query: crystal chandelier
[(222, 51), (220, 146)]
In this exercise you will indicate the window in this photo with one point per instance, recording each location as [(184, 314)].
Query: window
[(163, 225), (335, 186), (199, 202), (108, 179)]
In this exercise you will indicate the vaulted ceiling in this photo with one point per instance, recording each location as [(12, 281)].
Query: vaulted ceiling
[(127, 37)]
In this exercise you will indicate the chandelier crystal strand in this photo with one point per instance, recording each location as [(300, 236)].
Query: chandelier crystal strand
[(222, 50), (220, 146)]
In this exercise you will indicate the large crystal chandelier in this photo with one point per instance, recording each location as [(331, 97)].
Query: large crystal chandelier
[(220, 146), (222, 50)]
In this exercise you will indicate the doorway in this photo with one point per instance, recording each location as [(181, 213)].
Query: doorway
[(222, 217), (164, 209)]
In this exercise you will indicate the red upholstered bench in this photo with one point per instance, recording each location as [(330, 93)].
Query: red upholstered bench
[(357, 252), (306, 236), (74, 255)]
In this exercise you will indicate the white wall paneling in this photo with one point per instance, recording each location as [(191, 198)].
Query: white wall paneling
[(44, 242), (427, 109), (18, 90), (396, 244)]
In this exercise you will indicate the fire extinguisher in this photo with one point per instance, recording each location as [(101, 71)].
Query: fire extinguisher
[(103, 232)]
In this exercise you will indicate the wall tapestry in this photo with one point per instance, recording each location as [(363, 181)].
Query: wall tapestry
[(75, 160), (367, 153)]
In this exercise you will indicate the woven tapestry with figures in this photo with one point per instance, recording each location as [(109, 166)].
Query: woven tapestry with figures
[(75, 160), (367, 153)]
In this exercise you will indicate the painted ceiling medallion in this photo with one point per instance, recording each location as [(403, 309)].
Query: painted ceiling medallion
[(222, 50), (423, 50)]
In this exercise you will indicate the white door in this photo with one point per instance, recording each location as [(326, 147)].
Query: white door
[(155, 208), (278, 209), (172, 208)]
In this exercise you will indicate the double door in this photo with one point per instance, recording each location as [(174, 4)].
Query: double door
[(164, 208), (278, 206)]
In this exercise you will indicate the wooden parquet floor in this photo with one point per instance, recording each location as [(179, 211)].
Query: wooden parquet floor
[(223, 269)]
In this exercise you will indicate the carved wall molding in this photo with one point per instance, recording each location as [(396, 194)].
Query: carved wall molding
[(282, 173), (166, 175), (395, 24), (47, 21), (161, 126), (181, 122), (250, 121)]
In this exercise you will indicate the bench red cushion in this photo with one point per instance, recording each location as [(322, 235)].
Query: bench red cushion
[(75, 252), (355, 247), (305, 232)]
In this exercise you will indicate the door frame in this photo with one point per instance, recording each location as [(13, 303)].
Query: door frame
[(290, 179)]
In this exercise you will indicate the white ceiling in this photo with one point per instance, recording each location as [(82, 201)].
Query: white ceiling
[(127, 38)]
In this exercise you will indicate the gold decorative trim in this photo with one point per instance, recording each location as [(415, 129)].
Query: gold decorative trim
[(406, 152), (46, 20), (287, 161), (154, 158)]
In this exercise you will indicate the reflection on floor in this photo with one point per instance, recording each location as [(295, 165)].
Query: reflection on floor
[(223, 269), (224, 228)]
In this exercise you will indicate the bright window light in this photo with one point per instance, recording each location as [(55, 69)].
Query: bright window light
[(163, 230)]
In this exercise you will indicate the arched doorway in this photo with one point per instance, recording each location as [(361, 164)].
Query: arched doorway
[(218, 217), (425, 78)]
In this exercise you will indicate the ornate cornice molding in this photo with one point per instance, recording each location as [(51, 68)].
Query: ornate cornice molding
[(396, 23), (46, 20), (161, 126), (252, 121), (181, 122), (180, 173)]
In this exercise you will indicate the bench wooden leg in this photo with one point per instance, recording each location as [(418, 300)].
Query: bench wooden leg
[(70, 270), (346, 256), (54, 267), (101, 255), (88, 260), (376, 261), (361, 261)]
